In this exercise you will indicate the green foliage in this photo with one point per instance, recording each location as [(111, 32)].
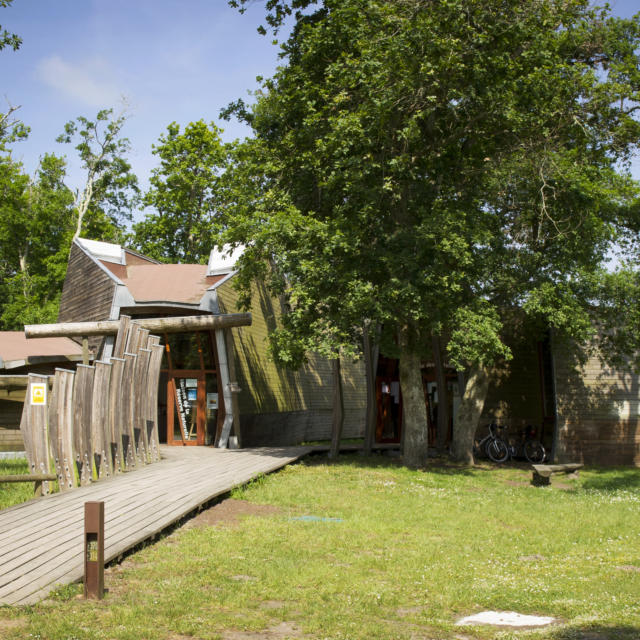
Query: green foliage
[(185, 194), (415, 162), (11, 129), (8, 39), (36, 227), (111, 189)]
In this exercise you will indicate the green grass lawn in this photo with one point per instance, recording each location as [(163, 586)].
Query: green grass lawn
[(14, 493), (364, 548)]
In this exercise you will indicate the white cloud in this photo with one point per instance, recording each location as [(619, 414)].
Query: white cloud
[(89, 82)]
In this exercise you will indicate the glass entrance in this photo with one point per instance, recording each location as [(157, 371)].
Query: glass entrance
[(186, 414), (193, 401)]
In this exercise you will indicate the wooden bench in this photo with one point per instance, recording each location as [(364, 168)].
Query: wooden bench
[(542, 472)]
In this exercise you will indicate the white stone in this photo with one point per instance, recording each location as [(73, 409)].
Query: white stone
[(505, 619)]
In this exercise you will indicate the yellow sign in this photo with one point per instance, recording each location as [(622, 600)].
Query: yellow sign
[(39, 393)]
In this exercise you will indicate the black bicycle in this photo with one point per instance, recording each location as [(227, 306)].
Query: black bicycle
[(492, 445), (528, 446)]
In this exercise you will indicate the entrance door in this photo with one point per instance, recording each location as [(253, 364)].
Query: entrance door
[(194, 407), (186, 408)]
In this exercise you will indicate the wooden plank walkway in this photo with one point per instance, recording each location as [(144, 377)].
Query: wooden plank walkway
[(41, 541)]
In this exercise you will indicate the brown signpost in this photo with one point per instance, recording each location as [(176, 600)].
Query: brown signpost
[(94, 550)]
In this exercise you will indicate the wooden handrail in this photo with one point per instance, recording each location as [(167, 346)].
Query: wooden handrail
[(36, 477)]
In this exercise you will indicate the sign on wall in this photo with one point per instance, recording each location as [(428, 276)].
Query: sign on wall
[(39, 393)]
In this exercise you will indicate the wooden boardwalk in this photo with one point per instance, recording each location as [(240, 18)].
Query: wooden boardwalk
[(41, 541)]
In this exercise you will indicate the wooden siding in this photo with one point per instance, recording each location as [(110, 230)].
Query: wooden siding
[(598, 412), (11, 440), (514, 398), (279, 406), (87, 294)]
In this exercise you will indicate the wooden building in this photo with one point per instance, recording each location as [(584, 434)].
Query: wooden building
[(585, 413), (209, 376)]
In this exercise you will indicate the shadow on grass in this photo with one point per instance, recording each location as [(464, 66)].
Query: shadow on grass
[(598, 632), (439, 466), (602, 479), (592, 478)]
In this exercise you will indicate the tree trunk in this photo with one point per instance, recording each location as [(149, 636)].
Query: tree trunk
[(338, 409), (370, 365), (443, 396), (414, 409), (82, 203), (469, 413)]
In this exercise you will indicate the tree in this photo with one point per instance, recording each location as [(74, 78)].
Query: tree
[(111, 189), (36, 226), (185, 194), (433, 166)]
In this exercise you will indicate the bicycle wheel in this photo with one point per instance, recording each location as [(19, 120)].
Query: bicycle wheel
[(497, 450), (534, 451)]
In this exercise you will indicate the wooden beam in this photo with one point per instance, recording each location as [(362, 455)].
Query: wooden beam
[(33, 477), (177, 324)]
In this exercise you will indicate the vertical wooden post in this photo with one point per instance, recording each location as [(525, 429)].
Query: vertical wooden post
[(100, 428), (85, 350), (83, 393), (338, 409), (61, 428), (126, 411), (151, 397), (34, 427), (115, 414), (94, 550)]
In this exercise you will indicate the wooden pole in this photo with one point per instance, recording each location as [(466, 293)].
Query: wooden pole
[(177, 324), (94, 550), (338, 408)]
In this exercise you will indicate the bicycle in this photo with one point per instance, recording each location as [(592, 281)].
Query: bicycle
[(492, 445), (528, 446)]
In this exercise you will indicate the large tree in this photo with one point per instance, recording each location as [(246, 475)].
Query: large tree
[(434, 165), (184, 195)]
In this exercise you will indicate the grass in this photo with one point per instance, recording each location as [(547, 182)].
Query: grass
[(390, 553), (14, 493)]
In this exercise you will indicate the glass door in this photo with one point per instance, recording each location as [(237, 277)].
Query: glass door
[(194, 403), (186, 408)]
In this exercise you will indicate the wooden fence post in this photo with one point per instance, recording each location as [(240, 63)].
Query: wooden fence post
[(61, 428), (34, 428), (115, 414), (126, 411), (82, 400), (151, 404), (100, 431)]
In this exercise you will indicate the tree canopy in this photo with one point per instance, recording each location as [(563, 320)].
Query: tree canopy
[(432, 166), (185, 194)]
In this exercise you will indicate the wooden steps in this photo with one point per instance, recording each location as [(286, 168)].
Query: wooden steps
[(41, 541)]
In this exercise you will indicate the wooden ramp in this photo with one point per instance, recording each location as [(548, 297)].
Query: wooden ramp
[(41, 541)]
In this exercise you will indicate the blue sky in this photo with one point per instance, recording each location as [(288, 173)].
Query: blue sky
[(173, 60)]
